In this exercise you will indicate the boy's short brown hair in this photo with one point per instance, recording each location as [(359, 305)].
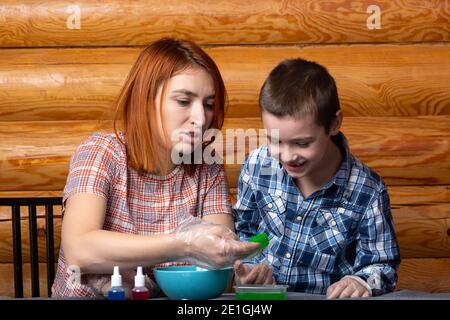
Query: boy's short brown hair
[(298, 87)]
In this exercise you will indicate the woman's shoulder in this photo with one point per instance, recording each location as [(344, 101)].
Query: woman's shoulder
[(105, 142), (211, 170)]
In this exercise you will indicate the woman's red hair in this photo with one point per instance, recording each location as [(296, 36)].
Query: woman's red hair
[(156, 64)]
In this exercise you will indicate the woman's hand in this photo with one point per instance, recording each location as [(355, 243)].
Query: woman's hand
[(210, 245)]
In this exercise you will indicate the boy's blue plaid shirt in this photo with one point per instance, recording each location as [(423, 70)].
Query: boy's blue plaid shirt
[(345, 228)]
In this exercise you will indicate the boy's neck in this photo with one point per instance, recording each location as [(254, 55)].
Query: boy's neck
[(327, 168)]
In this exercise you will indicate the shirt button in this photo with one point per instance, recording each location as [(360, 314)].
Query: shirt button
[(270, 206), (333, 223), (299, 218), (288, 255)]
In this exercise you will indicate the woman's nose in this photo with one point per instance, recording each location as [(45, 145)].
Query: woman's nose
[(198, 115)]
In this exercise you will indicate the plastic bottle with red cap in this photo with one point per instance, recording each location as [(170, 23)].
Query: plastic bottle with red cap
[(140, 291)]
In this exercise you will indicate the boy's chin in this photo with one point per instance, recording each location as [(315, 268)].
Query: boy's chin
[(297, 174)]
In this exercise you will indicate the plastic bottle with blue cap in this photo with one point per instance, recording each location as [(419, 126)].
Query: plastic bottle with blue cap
[(116, 292)]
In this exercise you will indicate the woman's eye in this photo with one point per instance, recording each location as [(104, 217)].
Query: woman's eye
[(209, 105), (184, 103)]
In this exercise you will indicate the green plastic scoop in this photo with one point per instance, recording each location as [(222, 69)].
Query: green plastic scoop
[(262, 239)]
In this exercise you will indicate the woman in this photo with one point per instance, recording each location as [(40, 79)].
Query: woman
[(125, 199)]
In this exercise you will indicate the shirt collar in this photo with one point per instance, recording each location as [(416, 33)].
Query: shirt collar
[(342, 176)]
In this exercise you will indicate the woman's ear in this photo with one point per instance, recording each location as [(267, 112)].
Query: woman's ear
[(336, 123)]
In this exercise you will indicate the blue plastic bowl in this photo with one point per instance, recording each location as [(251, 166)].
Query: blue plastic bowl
[(185, 282)]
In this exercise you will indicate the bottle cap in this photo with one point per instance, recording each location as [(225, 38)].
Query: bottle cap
[(139, 278), (116, 278)]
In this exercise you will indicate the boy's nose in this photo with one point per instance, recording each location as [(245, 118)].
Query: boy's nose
[(287, 155)]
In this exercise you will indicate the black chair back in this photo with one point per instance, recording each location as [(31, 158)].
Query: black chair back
[(32, 203)]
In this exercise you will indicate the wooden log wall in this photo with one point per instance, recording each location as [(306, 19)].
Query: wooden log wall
[(63, 64)]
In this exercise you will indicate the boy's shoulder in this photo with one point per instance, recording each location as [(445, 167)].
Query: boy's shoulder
[(361, 173), (258, 159), (363, 187)]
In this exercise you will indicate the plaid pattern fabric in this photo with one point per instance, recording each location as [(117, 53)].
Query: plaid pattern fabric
[(345, 228), (138, 204)]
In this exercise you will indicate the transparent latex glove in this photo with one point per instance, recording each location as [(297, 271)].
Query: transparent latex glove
[(210, 245)]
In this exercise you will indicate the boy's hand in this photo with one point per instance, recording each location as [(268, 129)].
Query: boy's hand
[(258, 274), (347, 288)]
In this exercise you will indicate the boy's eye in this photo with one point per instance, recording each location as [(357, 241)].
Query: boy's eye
[(270, 140), (302, 145)]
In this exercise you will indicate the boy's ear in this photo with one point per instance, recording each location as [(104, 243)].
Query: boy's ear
[(336, 123)]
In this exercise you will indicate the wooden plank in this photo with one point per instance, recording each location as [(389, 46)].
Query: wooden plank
[(429, 275), (377, 81), (404, 151), (25, 154), (31, 194), (422, 228), (7, 279), (422, 231), (6, 251), (118, 23), (76, 84), (421, 217), (66, 84), (5, 213), (400, 195), (423, 195)]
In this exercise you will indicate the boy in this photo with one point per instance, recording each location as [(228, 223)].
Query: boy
[(327, 214)]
